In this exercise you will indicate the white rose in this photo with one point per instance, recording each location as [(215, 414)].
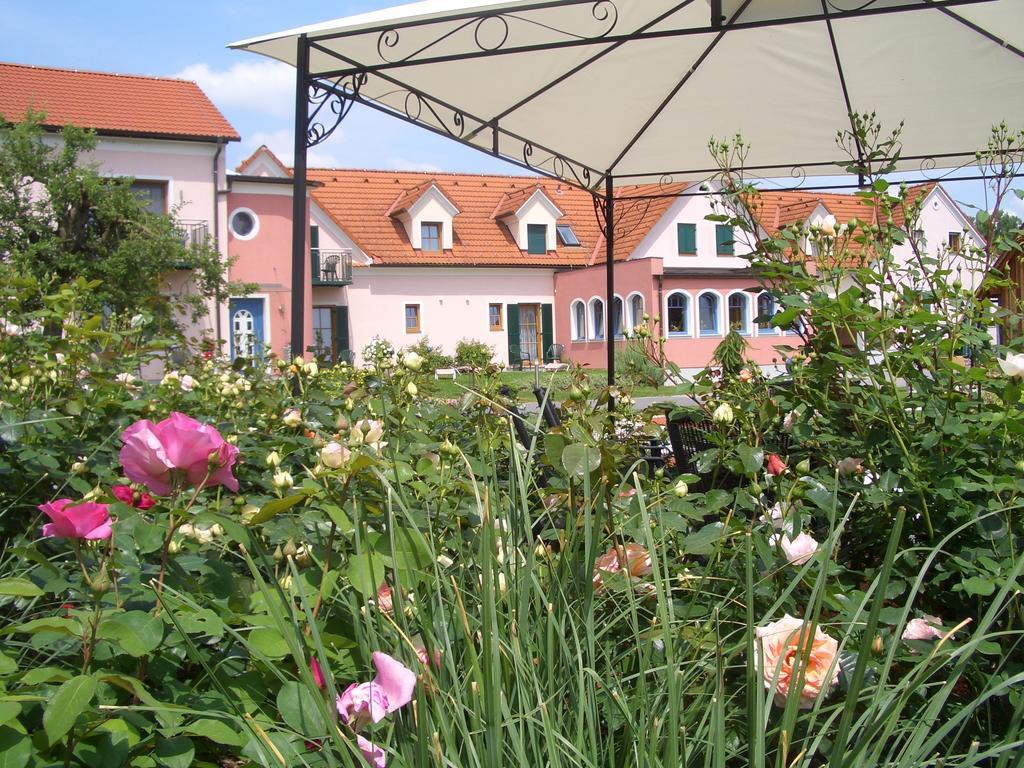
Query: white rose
[(412, 361), (187, 383), (798, 550), (681, 489), (1013, 366), (411, 389), (292, 417), (828, 225), (723, 414), (283, 480), (334, 455), (273, 459)]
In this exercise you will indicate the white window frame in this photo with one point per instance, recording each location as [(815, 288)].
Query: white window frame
[(747, 329), (578, 333), (634, 318), (255, 223), (596, 330), (719, 323), (688, 314)]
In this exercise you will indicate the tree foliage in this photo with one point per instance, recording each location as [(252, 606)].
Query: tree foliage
[(61, 219)]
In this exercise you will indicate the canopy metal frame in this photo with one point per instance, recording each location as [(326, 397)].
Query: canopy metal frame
[(324, 98)]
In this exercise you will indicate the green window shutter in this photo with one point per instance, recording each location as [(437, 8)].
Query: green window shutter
[(547, 330), (537, 238), (723, 239), (314, 236), (513, 335), (341, 343), (686, 234)]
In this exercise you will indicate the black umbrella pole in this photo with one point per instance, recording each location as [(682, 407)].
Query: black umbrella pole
[(609, 240)]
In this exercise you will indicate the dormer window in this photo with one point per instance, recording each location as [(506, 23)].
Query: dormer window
[(430, 236), (566, 236), (537, 238)]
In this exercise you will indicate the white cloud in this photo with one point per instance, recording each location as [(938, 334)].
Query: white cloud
[(1013, 204), (264, 87)]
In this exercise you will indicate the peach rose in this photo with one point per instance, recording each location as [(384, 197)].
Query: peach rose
[(637, 562), (783, 647)]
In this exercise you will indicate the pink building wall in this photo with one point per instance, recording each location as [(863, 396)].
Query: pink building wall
[(645, 276), (265, 259)]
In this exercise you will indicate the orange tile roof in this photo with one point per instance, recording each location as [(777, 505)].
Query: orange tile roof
[(634, 218), (359, 201), (408, 197), (126, 105), (776, 210), (243, 166), (512, 201)]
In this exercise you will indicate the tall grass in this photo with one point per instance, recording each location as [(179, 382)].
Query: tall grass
[(539, 668)]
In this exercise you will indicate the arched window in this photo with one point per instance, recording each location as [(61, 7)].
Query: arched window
[(618, 317), (739, 313), (765, 313), (596, 319), (579, 321), (636, 310), (678, 314), (708, 311)]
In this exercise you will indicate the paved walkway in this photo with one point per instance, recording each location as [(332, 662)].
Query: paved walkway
[(639, 402)]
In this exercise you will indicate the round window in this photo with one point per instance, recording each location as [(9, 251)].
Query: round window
[(244, 224)]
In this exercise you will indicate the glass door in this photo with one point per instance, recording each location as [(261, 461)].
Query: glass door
[(529, 333)]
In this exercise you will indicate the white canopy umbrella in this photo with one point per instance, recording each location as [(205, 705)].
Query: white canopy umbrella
[(602, 93)]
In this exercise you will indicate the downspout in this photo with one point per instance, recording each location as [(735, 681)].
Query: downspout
[(217, 192)]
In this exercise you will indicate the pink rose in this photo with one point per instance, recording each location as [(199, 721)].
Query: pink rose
[(374, 755), (786, 650), (318, 674), (177, 449), (797, 550), (87, 520), (922, 629), (126, 495), (391, 689), (776, 466)]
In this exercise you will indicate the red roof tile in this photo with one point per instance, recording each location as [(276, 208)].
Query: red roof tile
[(128, 105), (360, 202)]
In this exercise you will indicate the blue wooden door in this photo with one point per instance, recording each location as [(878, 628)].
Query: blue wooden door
[(245, 324)]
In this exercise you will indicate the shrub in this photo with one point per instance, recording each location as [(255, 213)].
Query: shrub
[(433, 357), (633, 368), (473, 353)]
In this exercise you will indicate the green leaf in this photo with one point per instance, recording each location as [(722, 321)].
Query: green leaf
[(977, 585), (19, 588), (703, 541), (15, 747), (299, 710), (7, 664), (8, 711), (580, 459), (751, 457), (51, 624), (214, 730), (366, 572), (276, 506), (175, 753), (136, 632), (268, 642), (70, 700)]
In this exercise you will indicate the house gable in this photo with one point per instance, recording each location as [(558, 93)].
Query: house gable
[(425, 204)]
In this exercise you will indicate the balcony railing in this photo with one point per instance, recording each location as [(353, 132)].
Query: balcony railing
[(331, 267), (192, 234)]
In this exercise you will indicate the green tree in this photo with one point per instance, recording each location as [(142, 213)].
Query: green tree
[(61, 219)]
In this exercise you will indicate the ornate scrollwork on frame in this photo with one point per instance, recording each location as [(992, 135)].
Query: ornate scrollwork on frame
[(330, 105), (415, 103), (490, 32), (558, 166), (851, 6)]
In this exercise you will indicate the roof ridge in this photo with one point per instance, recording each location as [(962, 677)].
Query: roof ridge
[(76, 70)]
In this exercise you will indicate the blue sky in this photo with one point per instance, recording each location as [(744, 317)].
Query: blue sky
[(187, 38)]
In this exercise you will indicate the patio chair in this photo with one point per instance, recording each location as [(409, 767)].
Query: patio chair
[(329, 268), (548, 409), (689, 438)]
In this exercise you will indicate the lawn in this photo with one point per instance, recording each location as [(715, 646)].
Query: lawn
[(523, 382)]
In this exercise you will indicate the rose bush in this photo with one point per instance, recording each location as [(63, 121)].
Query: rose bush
[(218, 582)]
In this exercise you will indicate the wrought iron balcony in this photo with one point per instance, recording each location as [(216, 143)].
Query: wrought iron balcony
[(331, 267), (192, 232)]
